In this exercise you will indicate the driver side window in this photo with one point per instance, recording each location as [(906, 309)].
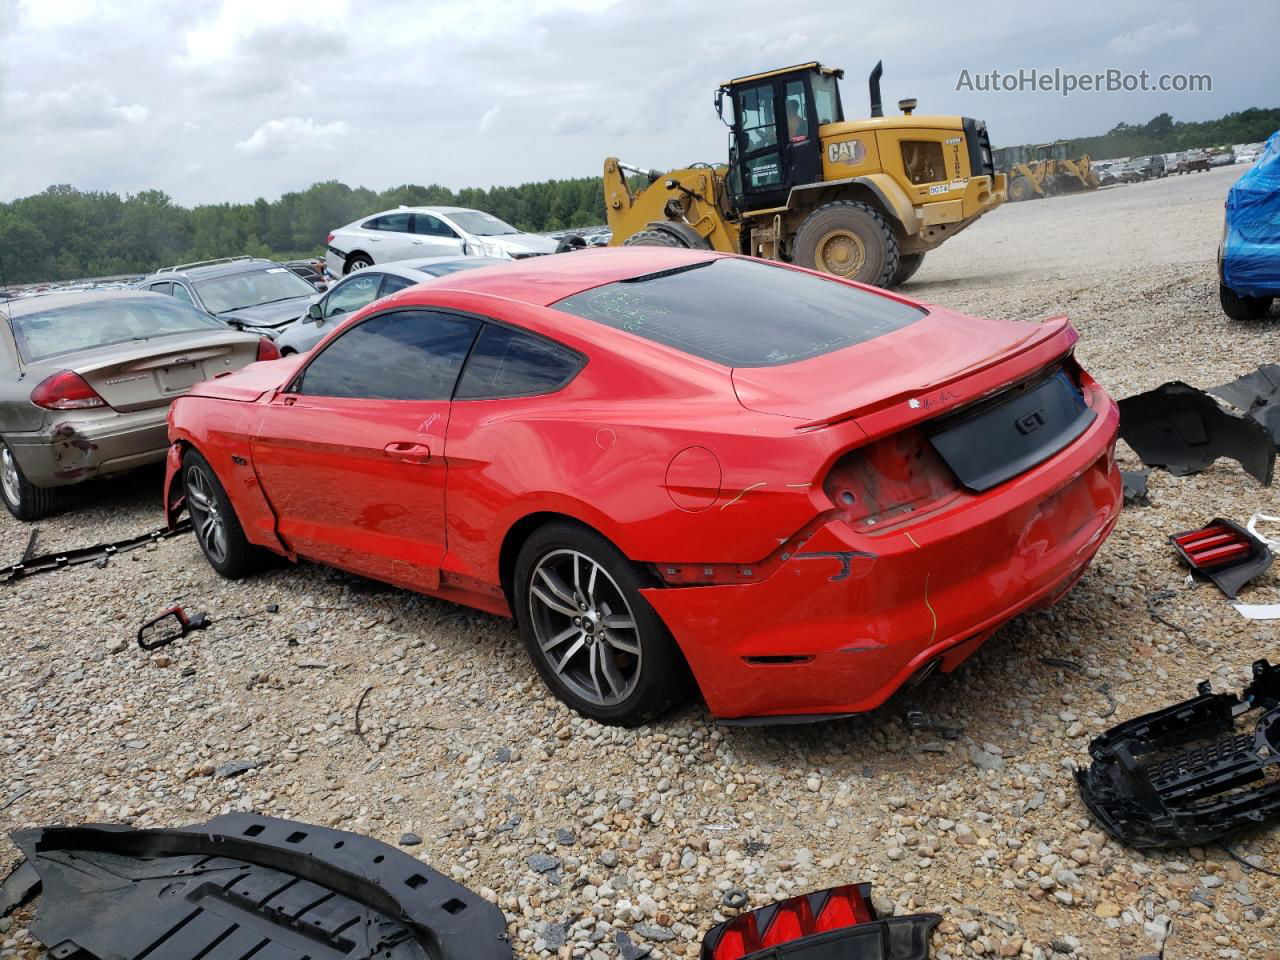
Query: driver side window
[(756, 118), (424, 224), (359, 291)]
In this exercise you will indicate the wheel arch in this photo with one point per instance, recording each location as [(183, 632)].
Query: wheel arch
[(346, 262), (877, 190), (518, 535)]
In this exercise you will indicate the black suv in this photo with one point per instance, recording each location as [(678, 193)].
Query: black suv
[(247, 293)]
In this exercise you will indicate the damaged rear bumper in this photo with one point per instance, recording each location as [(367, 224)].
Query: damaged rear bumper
[(849, 618), (76, 448)]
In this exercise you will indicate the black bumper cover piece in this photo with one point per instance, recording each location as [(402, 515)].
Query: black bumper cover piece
[(1258, 395), (1184, 430), (245, 886), (1189, 774)]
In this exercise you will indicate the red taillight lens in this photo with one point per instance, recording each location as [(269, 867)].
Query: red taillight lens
[(66, 391), (329, 238), (789, 921), (267, 350)]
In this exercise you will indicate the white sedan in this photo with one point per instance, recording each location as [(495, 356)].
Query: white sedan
[(409, 233)]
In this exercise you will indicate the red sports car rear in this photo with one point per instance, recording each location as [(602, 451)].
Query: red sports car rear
[(796, 489)]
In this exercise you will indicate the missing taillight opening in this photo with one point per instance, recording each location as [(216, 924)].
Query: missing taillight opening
[(899, 476), (66, 390)]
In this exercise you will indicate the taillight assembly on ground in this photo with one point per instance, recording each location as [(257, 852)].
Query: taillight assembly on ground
[(66, 390), (835, 924), (267, 350), (1223, 552), (1192, 772)]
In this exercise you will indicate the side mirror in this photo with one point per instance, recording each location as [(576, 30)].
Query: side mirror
[(314, 313)]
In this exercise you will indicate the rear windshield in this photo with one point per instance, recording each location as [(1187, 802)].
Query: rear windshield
[(101, 323), (742, 313)]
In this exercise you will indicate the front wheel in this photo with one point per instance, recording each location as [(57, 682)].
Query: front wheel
[(851, 240), (1242, 308), (214, 520), (593, 637), (1020, 189), (652, 238)]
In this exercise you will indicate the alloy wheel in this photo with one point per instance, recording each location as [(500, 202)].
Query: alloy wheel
[(209, 525), (9, 477), (584, 627)]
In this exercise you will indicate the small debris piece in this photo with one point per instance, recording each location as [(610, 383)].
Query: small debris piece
[(235, 767), (627, 949), (542, 862), (410, 840), (1135, 487)]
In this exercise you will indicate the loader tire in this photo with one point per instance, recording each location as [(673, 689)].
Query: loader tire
[(1241, 308), (653, 238), (908, 264), (851, 240), (1020, 189)]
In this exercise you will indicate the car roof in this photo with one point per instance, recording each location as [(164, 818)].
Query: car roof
[(541, 281), (52, 301), (215, 270)]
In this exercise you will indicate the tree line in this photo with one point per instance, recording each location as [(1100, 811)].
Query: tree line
[(65, 233)]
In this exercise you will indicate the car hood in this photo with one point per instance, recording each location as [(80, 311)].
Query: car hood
[(916, 368), (525, 243), (270, 315)]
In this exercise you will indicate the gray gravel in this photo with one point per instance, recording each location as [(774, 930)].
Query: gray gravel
[(582, 832)]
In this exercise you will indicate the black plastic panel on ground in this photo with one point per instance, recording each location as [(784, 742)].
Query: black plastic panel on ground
[(1013, 433), (245, 886)]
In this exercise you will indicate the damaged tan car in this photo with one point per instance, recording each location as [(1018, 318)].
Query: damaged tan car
[(86, 380)]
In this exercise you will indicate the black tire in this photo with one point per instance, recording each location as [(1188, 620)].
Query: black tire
[(357, 261), (908, 264), (1020, 189), (837, 224), (25, 500), (1241, 308), (654, 238), (233, 556), (653, 679)]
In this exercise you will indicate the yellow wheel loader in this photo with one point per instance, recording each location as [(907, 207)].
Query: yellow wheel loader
[(863, 199), (1044, 170)]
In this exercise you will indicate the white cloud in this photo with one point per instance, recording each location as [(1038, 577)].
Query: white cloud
[(487, 121), (77, 107), (291, 133), (1152, 35)]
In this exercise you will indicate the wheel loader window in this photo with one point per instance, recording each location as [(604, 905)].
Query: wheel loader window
[(755, 116), (797, 113), (923, 162), (826, 99)]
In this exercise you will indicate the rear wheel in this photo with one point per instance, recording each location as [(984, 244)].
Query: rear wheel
[(908, 264), (217, 528), (652, 238), (1020, 188), (851, 240), (595, 640), (1242, 308), (358, 261), (24, 499)]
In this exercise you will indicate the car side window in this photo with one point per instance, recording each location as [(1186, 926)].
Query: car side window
[(508, 363), (403, 355), (427, 225), (181, 293), (359, 291), (397, 222), (391, 284), (166, 288)]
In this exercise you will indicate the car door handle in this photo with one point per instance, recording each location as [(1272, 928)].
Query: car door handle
[(419, 241), (408, 452)]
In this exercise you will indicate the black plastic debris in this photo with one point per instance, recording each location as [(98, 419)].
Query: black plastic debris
[(18, 887), (1258, 395), (1134, 483), (245, 885), (102, 552), (839, 923), (168, 627), (1190, 773), (1224, 553), (1184, 430)]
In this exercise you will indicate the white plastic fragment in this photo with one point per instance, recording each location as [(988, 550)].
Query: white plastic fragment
[(1259, 611), (1252, 527)]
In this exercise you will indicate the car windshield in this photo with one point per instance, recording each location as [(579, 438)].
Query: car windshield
[(453, 266), (253, 289), (743, 313), (481, 224), (101, 323)]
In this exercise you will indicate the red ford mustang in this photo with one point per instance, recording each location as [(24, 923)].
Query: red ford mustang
[(798, 491)]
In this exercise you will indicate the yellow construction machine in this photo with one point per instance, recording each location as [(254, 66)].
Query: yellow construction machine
[(864, 199), (1044, 169)]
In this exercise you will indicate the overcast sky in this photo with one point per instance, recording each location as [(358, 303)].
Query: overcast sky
[(214, 101)]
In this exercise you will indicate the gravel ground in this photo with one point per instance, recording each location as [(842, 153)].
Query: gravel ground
[(976, 817)]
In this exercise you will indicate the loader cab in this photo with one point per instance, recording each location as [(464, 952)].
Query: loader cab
[(773, 131)]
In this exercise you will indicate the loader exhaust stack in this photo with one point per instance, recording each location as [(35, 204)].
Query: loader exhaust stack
[(877, 108)]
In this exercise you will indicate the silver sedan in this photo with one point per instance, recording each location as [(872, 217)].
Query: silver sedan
[(86, 380), (361, 287)]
